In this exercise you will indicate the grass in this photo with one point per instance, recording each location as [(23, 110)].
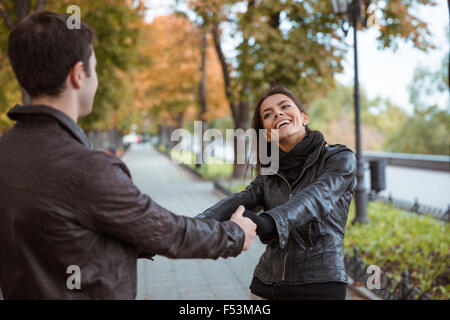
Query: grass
[(213, 168), (398, 240)]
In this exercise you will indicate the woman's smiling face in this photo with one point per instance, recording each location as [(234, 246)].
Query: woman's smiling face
[(278, 111)]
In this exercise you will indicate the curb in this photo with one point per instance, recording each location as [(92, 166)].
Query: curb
[(362, 291), (219, 186), (191, 170), (181, 164)]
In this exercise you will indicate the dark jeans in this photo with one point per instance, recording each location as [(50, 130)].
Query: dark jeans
[(309, 291)]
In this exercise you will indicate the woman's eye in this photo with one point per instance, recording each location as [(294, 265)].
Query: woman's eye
[(266, 115), (286, 106)]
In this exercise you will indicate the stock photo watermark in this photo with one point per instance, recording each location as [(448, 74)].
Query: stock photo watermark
[(374, 280), (73, 22), (251, 146), (74, 280)]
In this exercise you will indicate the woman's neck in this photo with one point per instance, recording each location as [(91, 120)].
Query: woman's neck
[(289, 143)]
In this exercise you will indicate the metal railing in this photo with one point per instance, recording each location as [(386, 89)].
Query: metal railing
[(410, 160), (391, 288), (415, 206)]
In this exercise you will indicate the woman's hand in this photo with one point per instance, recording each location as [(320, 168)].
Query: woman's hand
[(266, 228)]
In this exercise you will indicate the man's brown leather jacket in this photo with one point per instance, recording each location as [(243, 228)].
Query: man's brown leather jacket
[(63, 205)]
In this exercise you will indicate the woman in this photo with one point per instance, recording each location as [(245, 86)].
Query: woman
[(305, 206)]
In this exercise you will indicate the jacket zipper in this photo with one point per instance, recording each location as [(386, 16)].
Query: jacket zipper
[(290, 189), (290, 196), (318, 154)]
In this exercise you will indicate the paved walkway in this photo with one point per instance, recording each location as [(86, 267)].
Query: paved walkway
[(185, 194)]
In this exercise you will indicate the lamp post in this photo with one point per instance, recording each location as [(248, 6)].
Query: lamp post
[(351, 10)]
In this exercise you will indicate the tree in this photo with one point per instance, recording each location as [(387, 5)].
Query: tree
[(333, 115), (294, 43), (9, 91), (178, 61), (117, 24), (427, 130), (13, 14)]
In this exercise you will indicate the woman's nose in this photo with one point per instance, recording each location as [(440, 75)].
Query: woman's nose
[(279, 113)]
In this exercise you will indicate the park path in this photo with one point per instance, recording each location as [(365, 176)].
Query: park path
[(185, 194)]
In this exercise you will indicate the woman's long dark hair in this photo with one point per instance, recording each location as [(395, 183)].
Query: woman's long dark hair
[(257, 123)]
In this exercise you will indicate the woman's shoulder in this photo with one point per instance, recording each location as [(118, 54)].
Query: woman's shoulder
[(339, 153), (336, 148)]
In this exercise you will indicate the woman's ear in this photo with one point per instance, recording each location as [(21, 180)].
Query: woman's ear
[(305, 119)]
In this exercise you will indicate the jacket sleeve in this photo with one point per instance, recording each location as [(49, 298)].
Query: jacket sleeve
[(250, 198), (112, 204), (316, 201)]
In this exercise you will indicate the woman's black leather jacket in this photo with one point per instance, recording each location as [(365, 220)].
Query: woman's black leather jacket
[(310, 216)]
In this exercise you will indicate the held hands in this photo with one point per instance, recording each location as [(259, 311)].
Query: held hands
[(246, 224)]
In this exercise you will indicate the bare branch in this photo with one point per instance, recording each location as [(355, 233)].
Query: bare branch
[(5, 16), (40, 5), (22, 8)]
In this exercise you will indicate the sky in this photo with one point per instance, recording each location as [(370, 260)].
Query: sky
[(386, 73), (382, 73)]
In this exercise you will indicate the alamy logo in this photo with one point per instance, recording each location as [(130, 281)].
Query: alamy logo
[(74, 280), (269, 158), (74, 20), (374, 281)]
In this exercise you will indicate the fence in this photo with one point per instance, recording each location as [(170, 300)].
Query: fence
[(415, 206), (418, 161), (390, 287)]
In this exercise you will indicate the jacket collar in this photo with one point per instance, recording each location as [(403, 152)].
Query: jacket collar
[(18, 112), (313, 156)]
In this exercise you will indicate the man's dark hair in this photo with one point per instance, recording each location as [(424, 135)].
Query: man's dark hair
[(42, 50)]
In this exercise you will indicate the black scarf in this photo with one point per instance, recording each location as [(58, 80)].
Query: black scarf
[(292, 162)]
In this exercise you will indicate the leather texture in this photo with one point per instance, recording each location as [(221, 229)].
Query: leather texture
[(63, 204), (310, 217)]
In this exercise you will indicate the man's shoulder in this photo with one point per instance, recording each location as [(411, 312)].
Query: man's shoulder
[(94, 162)]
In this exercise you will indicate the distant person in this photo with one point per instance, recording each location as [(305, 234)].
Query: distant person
[(66, 208), (305, 206)]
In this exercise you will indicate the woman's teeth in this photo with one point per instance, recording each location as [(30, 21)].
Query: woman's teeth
[(282, 123)]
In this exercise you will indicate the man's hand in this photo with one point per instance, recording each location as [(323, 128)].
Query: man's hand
[(246, 224)]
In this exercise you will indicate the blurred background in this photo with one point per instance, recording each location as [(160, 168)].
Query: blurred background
[(162, 64)]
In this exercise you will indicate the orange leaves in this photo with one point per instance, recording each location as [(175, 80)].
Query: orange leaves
[(167, 83)]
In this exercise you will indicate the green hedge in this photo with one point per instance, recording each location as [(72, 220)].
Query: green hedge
[(397, 240)]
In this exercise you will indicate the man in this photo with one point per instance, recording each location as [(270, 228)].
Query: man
[(66, 208)]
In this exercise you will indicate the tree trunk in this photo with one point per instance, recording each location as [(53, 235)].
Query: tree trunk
[(202, 94), (22, 8), (26, 98), (202, 89), (179, 124), (241, 122), (239, 112)]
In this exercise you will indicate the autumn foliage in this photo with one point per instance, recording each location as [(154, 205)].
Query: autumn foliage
[(166, 84)]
